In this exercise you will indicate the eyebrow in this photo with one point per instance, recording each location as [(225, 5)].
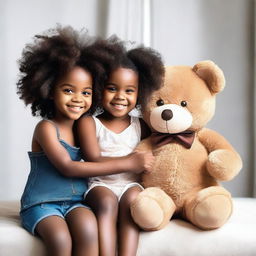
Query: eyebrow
[(71, 85), (134, 86)]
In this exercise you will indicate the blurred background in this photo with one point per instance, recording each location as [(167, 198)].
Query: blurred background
[(183, 31)]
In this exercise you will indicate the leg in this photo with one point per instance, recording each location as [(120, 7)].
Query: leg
[(104, 204), (128, 231), (55, 234), (84, 231)]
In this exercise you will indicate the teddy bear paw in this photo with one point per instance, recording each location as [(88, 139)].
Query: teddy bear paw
[(223, 164), (152, 209), (211, 210), (147, 213)]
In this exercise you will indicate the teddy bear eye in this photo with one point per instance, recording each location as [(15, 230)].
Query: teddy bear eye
[(183, 103), (160, 103)]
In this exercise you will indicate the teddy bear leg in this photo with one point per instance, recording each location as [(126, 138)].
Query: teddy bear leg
[(152, 209), (210, 208)]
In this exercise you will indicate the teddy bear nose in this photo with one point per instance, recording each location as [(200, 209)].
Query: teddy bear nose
[(167, 114)]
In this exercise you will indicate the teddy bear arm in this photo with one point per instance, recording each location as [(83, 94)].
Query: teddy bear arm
[(213, 140), (223, 162)]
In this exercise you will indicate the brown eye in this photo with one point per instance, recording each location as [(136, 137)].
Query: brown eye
[(160, 103), (183, 103)]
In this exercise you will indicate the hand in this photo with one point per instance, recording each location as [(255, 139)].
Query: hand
[(141, 161)]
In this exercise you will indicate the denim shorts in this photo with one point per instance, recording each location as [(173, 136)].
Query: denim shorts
[(33, 215)]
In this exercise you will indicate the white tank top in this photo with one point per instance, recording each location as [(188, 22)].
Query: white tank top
[(117, 144)]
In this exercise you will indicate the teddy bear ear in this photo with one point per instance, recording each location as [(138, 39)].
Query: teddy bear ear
[(211, 74)]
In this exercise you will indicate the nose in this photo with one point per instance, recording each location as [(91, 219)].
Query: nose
[(119, 95), (167, 114), (77, 97)]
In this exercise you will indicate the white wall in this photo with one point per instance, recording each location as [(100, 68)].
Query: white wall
[(184, 31)]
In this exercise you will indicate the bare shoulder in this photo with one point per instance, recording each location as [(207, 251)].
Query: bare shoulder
[(85, 124), (44, 125), (86, 120), (44, 132), (44, 128)]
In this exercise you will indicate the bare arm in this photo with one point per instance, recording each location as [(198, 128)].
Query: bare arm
[(86, 130), (45, 135)]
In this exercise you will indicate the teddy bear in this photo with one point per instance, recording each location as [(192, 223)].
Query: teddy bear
[(190, 159)]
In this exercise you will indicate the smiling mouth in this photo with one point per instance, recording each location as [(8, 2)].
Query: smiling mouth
[(119, 106), (75, 108)]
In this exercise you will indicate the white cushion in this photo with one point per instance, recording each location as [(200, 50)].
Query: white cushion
[(236, 238)]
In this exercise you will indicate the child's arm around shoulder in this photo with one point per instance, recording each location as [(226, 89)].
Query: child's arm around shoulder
[(46, 139), (86, 130)]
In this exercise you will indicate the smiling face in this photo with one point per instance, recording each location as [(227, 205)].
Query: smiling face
[(120, 93), (72, 94)]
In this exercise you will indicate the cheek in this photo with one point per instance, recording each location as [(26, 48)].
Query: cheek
[(62, 98), (104, 101), (89, 101), (106, 97), (58, 101), (134, 98)]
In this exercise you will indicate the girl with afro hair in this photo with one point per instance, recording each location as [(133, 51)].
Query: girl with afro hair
[(60, 76), (132, 78)]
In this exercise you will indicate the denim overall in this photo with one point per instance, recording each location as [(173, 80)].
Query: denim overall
[(46, 184)]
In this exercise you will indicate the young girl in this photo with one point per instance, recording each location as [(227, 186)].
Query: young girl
[(59, 74), (115, 133)]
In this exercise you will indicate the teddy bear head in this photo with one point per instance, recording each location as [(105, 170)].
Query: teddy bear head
[(186, 101)]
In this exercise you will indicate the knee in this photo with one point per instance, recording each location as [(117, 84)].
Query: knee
[(86, 239), (89, 231), (60, 242), (131, 194), (108, 205)]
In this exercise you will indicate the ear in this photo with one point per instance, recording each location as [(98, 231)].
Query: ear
[(211, 74)]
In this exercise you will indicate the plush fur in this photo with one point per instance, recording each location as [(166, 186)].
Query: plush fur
[(184, 181)]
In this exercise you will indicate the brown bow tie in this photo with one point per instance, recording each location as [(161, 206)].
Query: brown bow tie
[(184, 138)]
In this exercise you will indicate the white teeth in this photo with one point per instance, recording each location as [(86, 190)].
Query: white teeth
[(119, 106), (75, 108)]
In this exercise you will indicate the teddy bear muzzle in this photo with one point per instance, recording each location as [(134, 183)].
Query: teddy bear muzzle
[(170, 118)]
